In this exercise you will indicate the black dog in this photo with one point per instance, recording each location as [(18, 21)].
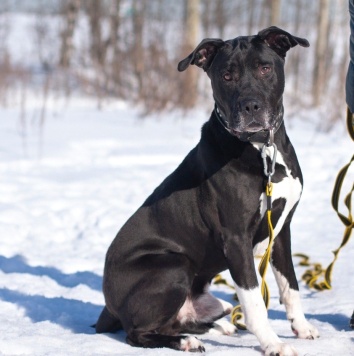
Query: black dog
[(209, 214)]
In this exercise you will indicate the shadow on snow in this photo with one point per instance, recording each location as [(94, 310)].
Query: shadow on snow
[(17, 264), (78, 315), (71, 314)]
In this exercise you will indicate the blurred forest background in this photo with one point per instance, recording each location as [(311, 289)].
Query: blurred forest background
[(129, 49)]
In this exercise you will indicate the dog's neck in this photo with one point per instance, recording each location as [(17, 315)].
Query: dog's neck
[(260, 136)]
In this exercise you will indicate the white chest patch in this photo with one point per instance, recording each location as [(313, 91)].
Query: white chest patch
[(289, 188)]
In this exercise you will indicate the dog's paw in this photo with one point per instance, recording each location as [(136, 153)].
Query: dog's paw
[(280, 349), (192, 344), (227, 307), (304, 330), (223, 327)]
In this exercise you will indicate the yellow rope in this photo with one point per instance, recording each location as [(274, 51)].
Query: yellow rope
[(263, 265), (219, 280), (236, 313), (312, 275)]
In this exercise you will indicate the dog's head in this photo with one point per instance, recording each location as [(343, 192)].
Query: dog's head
[(247, 77)]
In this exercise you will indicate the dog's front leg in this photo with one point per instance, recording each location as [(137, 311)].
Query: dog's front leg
[(284, 273), (241, 265)]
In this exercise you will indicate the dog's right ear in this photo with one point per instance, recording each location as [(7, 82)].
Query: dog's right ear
[(281, 41), (203, 55)]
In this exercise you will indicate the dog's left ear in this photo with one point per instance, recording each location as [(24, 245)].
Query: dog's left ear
[(203, 54), (281, 41)]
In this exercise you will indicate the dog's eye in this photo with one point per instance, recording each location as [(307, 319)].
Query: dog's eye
[(264, 69), (227, 76)]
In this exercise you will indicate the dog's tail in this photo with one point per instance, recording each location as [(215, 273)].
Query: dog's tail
[(107, 323)]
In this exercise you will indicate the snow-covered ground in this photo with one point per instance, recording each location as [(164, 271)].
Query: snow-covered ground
[(65, 190)]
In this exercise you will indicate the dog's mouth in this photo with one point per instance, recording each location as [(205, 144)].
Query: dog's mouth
[(252, 127), (255, 130), (257, 125), (258, 135), (247, 134)]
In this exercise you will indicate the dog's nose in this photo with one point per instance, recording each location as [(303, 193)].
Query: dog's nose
[(249, 107)]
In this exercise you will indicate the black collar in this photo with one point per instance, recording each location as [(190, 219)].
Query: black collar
[(260, 136)]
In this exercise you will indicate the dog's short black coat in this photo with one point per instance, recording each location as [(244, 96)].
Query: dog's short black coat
[(206, 216)]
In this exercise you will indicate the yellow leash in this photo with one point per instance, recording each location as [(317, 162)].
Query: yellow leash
[(263, 265), (237, 314), (312, 275)]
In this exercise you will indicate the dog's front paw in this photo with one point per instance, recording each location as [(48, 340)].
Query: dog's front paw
[(227, 307), (304, 330), (223, 327), (192, 344), (280, 349)]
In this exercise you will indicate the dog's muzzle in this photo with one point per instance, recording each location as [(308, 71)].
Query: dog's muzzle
[(258, 136)]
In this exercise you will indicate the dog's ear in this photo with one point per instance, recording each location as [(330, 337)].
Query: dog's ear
[(203, 55), (281, 41)]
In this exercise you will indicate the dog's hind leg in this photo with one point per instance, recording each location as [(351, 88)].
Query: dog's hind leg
[(179, 342), (157, 327), (107, 322), (149, 312), (201, 312)]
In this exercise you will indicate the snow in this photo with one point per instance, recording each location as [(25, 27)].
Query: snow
[(68, 186)]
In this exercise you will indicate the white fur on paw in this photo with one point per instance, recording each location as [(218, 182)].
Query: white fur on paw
[(191, 343), (223, 327), (304, 330), (280, 349), (226, 306)]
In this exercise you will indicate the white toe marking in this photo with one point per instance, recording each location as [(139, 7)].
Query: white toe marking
[(227, 307), (280, 349), (191, 343), (223, 327), (304, 330), (291, 300)]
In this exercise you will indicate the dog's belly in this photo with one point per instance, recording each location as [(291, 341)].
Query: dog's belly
[(289, 189)]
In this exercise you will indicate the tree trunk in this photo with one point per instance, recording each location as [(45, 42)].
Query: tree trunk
[(139, 7), (113, 42), (97, 47), (319, 77), (295, 57), (275, 6), (189, 89), (251, 16), (220, 19), (67, 46), (206, 19)]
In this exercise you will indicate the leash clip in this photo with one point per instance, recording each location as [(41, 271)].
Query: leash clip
[(269, 171), (270, 141)]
